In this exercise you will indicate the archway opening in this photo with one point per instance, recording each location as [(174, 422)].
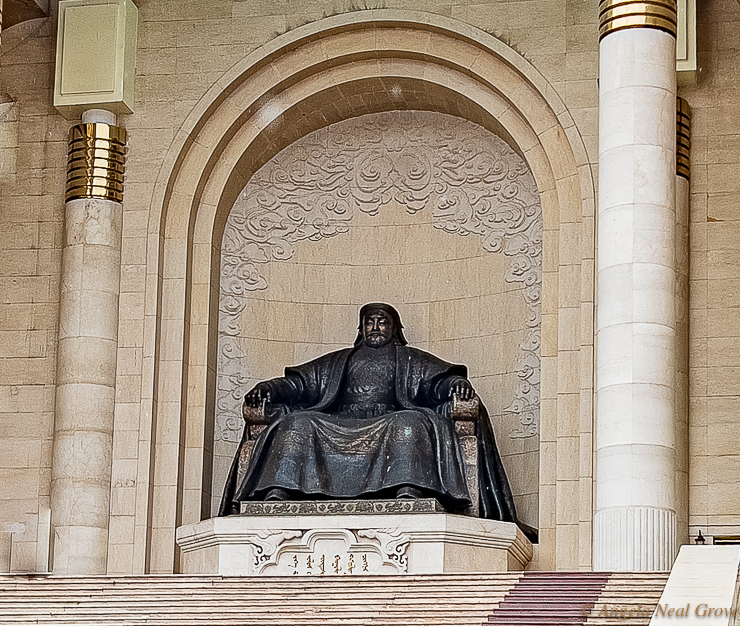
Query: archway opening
[(248, 117)]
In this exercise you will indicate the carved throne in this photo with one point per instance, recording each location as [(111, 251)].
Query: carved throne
[(464, 413)]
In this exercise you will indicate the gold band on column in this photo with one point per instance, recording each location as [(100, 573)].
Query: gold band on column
[(96, 162), (619, 14), (683, 138)]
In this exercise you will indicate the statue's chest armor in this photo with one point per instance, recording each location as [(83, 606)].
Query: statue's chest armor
[(370, 378)]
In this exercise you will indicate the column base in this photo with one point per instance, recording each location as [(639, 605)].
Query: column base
[(634, 539)]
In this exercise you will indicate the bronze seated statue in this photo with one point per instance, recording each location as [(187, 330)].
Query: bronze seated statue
[(371, 421)]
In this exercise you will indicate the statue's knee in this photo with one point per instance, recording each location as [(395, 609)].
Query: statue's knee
[(295, 422), (408, 424)]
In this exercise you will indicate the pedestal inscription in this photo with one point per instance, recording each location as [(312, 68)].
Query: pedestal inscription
[(338, 552)]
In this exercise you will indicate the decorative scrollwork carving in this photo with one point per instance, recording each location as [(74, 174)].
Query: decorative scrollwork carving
[(472, 180), (267, 542), (393, 544)]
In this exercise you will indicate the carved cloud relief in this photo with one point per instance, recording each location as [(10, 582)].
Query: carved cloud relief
[(470, 180)]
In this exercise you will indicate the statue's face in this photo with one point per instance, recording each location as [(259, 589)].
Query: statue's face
[(377, 328)]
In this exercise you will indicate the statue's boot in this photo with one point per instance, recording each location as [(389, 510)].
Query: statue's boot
[(408, 493), (276, 494)]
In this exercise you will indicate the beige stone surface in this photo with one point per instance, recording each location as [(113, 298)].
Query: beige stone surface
[(85, 396), (714, 258), (32, 162), (703, 584), (189, 52)]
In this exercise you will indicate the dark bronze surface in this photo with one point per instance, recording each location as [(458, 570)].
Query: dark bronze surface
[(342, 507), (369, 422)]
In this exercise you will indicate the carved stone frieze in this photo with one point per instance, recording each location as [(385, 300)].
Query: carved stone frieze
[(342, 507), (338, 551), (469, 179)]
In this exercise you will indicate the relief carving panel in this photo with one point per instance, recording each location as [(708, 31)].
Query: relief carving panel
[(468, 179), (337, 551)]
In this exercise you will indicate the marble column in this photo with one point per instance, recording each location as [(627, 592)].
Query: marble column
[(88, 341), (635, 446)]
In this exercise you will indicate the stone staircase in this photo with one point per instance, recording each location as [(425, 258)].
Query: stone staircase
[(556, 598), (426, 600), (580, 598), (534, 598), (628, 599)]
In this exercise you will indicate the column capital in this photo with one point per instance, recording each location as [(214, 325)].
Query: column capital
[(617, 15)]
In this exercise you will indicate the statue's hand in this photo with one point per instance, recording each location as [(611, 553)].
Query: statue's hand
[(258, 396), (463, 390)]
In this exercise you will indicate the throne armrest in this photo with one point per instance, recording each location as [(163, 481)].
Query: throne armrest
[(465, 410), (464, 414), (255, 416)]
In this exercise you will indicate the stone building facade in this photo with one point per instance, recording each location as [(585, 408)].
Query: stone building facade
[(496, 170)]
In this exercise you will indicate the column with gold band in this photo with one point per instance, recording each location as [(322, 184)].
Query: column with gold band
[(636, 457), (683, 147), (96, 162), (617, 15), (88, 344)]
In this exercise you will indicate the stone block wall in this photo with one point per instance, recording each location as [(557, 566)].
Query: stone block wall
[(185, 47), (714, 356), (32, 173)]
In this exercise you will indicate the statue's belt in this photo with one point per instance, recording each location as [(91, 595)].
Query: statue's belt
[(366, 410)]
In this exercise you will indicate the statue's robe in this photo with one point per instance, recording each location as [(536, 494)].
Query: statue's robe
[(315, 447)]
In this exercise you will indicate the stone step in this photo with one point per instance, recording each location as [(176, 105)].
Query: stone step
[(151, 595), (231, 618), (286, 583), (555, 599), (440, 600), (376, 618), (138, 605), (209, 579), (531, 599), (104, 611), (627, 590)]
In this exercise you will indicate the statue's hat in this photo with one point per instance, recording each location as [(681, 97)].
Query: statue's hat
[(386, 308)]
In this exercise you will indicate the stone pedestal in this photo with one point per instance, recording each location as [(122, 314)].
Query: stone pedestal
[(302, 541)]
